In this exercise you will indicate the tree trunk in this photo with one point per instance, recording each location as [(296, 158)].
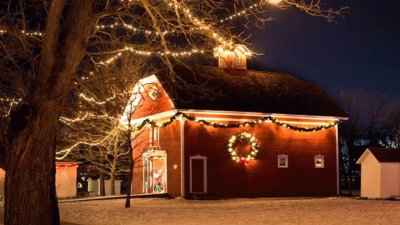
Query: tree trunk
[(30, 156), (131, 164), (130, 180), (112, 183), (102, 190)]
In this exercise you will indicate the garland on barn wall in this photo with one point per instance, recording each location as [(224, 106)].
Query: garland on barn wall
[(234, 141), (234, 125)]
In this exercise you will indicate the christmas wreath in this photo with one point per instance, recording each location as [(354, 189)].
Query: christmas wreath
[(240, 138)]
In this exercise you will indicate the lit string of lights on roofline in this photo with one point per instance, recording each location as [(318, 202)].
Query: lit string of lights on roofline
[(234, 125), (178, 114)]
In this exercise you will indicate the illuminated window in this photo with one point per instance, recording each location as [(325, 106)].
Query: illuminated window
[(154, 137), (154, 92), (319, 161), (283, 161)]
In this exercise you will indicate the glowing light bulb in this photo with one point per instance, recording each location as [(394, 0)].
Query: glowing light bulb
[(275, 2)]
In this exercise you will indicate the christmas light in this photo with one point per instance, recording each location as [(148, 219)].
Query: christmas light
[(34, 33), (61, 154), (232, 143), (92, 100), (67, 120), (274, 2), (149, 53), (253, 123), (241, 13), (133, 28)]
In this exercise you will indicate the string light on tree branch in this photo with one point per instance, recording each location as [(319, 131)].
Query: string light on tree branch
[(150, 53), (33, 34), (132, 28), (274, 2)]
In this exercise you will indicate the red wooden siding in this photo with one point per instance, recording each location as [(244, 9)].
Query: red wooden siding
[(169, 140), (147, 106), (262, 177)]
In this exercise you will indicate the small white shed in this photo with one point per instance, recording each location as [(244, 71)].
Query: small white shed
[(380, 173)]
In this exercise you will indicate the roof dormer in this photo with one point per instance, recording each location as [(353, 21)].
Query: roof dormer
[(234, 58)]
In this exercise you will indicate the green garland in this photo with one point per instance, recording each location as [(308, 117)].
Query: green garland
[(234, 125), (253, 147)]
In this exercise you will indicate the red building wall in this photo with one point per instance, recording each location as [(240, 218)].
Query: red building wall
[(169, 141), (148, 106), (261, 176)]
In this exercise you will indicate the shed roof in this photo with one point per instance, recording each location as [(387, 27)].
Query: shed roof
[(248, 91), (382, 154), (386, 154)]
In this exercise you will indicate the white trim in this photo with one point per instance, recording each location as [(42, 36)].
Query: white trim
[(244, 120), (236, 113), (157, 116), (337, 161), (322, 166), (204, 158), (363, 156), (286, 157), (153, 152), (258, 114), (166, 114), (182, 136)]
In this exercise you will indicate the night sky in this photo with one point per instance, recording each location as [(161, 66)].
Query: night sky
[(360, 51)]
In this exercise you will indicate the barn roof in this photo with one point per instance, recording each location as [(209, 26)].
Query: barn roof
[(247, 91), (386, 154)]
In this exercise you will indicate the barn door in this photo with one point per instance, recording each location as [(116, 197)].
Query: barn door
[(198, 174), (155, 171)]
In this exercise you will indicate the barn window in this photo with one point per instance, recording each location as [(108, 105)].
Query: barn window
[(283, 161), (154, 93), (154, 137), (319, 161)]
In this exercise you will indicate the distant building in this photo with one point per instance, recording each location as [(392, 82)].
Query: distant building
[(66, 179), (259, 133), (380, 173)]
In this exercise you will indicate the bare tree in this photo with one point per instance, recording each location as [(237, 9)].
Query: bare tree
[(47, 47), (371, 116)]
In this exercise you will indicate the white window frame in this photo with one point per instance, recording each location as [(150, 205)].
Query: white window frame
[(154, 135), (145, 157), (154, 90), (204, 158), (286, 158), (319, 165)]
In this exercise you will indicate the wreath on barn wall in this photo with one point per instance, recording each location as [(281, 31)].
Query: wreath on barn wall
[(235, 140)]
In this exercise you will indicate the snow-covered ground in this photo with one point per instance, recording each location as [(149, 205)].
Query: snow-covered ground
[(232, 211)]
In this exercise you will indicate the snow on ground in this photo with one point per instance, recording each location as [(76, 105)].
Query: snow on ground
[(231, 211)]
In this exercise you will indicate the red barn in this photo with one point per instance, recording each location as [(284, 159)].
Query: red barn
[(243, 133)]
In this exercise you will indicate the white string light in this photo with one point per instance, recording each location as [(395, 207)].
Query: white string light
[(92, 100), (150, 53), (35, 33)]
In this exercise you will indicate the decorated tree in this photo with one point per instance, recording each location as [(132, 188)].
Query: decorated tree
[(91, 131), (48, 48)]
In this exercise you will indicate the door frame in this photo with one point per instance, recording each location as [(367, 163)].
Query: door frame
[(145, 157), (204, 158)]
